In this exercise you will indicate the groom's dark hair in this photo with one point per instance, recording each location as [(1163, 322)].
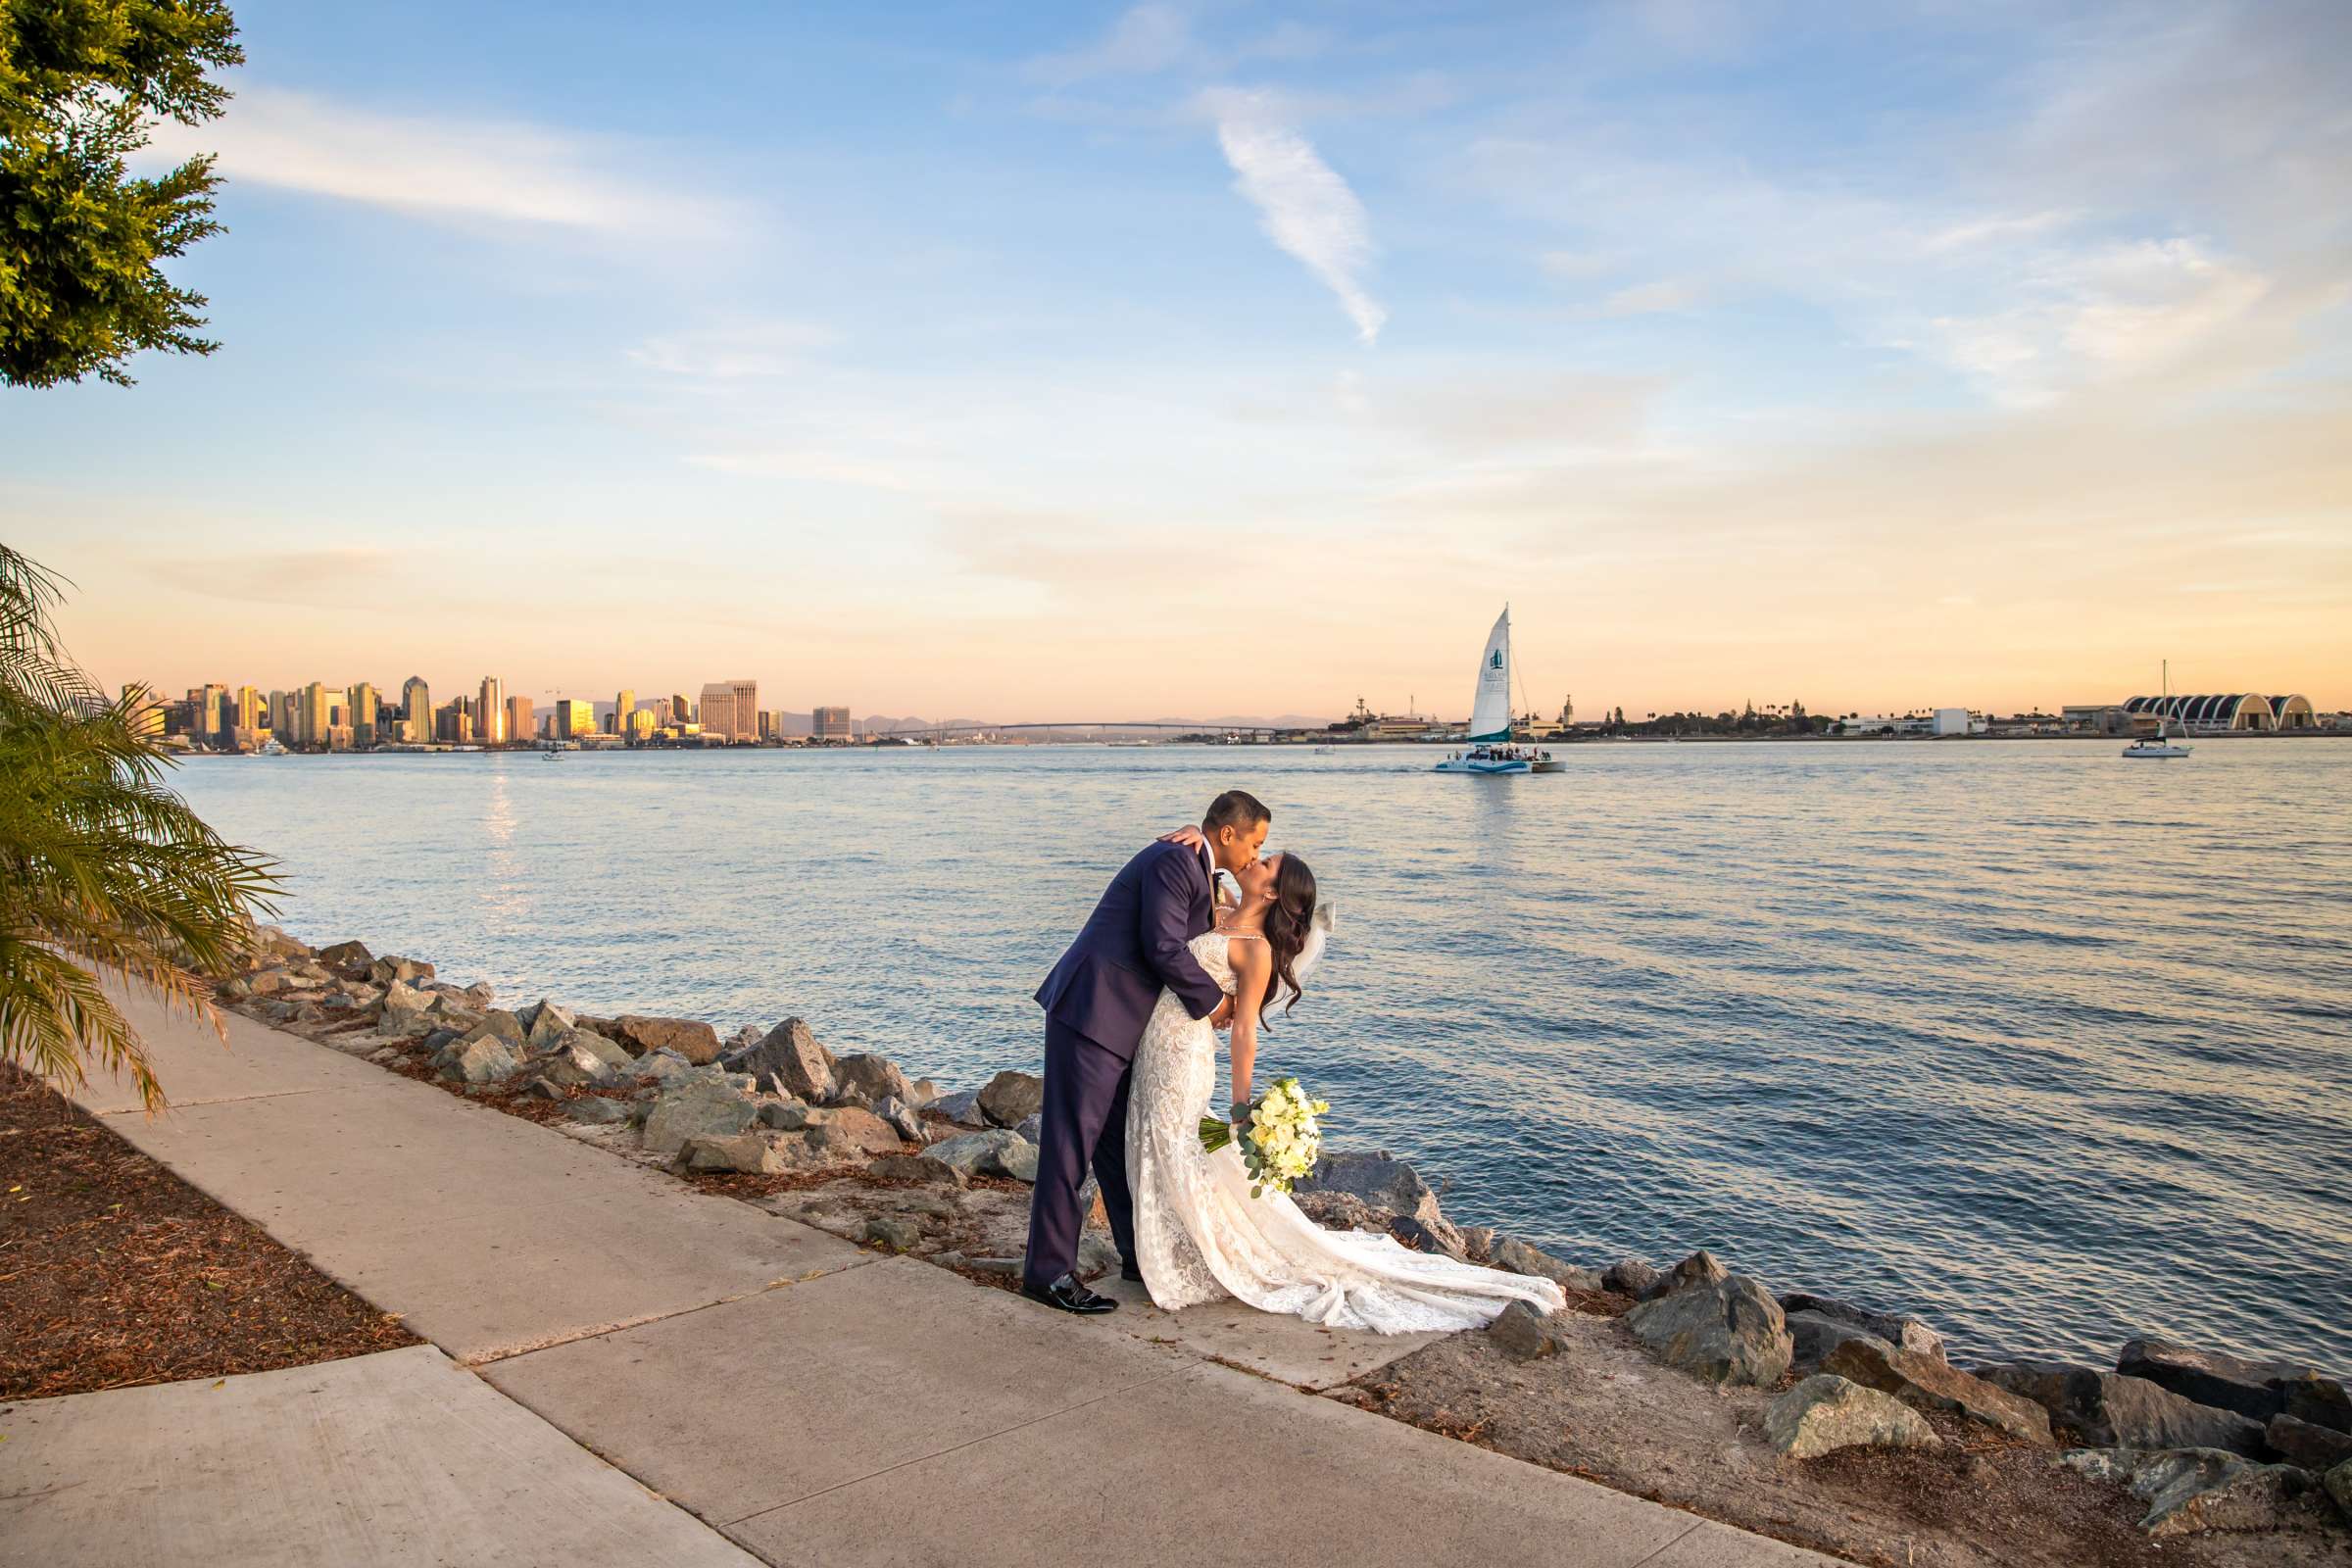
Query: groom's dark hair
[(1238, 809)]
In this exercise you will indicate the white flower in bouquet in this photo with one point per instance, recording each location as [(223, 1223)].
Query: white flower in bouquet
[(1282, 1137)]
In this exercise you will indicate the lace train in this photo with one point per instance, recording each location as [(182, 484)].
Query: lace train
[(1199, 1235)]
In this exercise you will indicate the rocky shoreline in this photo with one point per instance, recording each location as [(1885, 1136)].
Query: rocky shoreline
[(2203, 1442)]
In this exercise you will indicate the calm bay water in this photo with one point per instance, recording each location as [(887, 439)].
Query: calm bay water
[(2049, 1046)]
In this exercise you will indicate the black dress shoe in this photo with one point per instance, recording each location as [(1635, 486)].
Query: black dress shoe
[(1068, 1294), (1131, 1271)]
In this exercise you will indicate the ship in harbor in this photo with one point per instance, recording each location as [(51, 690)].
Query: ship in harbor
[(1491, 750)]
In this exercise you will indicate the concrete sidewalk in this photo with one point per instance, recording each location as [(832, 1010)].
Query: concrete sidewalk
[(813, 1402)]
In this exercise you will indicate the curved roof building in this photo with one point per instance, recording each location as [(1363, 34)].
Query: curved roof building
[(2218, 715)]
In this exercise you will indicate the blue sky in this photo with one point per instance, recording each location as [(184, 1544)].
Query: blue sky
[(1175, 359)]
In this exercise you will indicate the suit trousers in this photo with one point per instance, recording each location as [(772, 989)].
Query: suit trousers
[(1084, 1121)]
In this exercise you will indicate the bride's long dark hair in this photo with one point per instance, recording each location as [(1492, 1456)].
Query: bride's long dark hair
[(1288, 922)]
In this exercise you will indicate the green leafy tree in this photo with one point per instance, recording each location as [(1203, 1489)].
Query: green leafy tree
[(82, 83), (104, 874)]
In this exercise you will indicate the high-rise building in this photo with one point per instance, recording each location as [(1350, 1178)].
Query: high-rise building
[(574, 717), (768, 725), (146, 712), (364, 703), (624, 702), (285, 721), (250, 712), (209, 700), (518, 719), (416, 710), (831, 724), (717, 708), (681, 711), (314, 718), (490, 712), (641, 725)]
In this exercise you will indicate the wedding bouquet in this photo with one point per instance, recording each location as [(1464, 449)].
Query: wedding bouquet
[(1280, 1141)]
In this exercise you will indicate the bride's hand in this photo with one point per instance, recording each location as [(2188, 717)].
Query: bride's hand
[(1191, 835)]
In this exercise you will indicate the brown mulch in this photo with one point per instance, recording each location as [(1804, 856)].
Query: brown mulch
[(115, 1272)]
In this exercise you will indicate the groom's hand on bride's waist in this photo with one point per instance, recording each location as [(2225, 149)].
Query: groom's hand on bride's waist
[(1222, 1019)]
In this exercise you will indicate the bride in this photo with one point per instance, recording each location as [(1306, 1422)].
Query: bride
[(1199, 1234)]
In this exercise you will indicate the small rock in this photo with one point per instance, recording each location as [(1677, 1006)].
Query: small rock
[(661, 1065), (1509, 1252), (743, 1039), (915, 1168), (1731, 1332), (269, 982), (1477, 1243), (2192, 1490), (572, 1065), (1524, 1332), (753, 1153), (549, 1023), (925, 1091), (1423, 1237), (1697, 1270), (2095, 1408), (1927, 1384), (1826, 1412), (481, 994), (2306, 1444), (1629, 1276), (877, 1078), (407, 971), (2338, 1482), (496, 1025), (232, 990), (351, 960), (1097, 1255), (597, 1111), (899, 1235), (689, 1038), (859, 1131), (1012, 1098), (1904, 1332), (695, 1108), (1033, 1128), (963, 1109), (899, 1118), (850, 1098), (785, 1115)]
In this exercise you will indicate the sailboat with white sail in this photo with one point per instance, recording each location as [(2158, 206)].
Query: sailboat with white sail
[(2159, 745), (1489, 749)]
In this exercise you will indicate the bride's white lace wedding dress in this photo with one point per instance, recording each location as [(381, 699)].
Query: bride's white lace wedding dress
[(1200, 1237)]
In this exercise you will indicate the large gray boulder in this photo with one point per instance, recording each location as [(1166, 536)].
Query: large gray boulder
[(1826, 1412), (1731, 1332), (1381, 1181), (689, 1038), (1927, 1383), (2193, 1489), (596, 1112), (1523, 1331), (901, 1119), (2338, 1482), (915, 1168), (848, 1130), (1699, 1270), (1900, 1330), (350, 960), (788, 1056), (385, 970), (751, 1154), (2258, 1389), (875, 1078), (1012, 1098), (548, 1022), (695, 1108), (571, 1065), (496, 1024), (997, 1151), (1629, 1276), (1816, 1336), (2095, 1408)]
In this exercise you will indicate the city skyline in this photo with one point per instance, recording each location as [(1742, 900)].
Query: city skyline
[(1177, 359)]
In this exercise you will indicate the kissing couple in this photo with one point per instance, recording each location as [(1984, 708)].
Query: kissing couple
[(1132, 1015)]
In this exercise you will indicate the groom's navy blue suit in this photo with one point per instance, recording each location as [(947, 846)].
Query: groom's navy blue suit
[(1097, 1002)]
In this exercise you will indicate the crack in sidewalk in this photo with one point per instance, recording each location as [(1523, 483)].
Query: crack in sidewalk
[(217, 1099)]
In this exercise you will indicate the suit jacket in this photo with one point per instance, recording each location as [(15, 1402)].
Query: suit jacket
[(1136, 942)]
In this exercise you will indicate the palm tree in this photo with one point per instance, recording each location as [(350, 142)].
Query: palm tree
[(104, 874)]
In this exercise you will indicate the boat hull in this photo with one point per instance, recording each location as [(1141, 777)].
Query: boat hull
[(1468, 766)]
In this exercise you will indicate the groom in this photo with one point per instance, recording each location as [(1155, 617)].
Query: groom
[(1097, 1002)]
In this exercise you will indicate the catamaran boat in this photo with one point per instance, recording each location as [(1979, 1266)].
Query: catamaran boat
[(1490, 750)]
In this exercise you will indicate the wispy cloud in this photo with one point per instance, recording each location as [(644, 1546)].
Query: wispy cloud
[(734, 351), (506, 171), (1305, 207), (1144, 41)]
